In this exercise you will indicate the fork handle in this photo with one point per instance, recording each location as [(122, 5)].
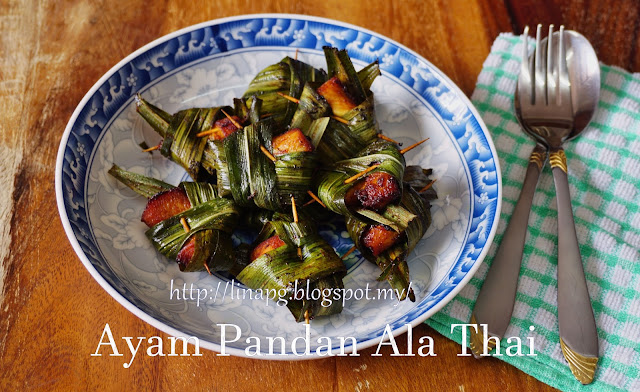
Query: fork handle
[(577, 326), (495, 302)]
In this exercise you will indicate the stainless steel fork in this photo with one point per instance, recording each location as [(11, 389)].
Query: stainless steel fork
[(544, 91), (495, 302)]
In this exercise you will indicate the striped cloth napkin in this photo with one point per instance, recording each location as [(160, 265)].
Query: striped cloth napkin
[(604, 177)]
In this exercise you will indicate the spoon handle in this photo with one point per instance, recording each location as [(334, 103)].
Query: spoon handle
[(494, 305), (578, 334)]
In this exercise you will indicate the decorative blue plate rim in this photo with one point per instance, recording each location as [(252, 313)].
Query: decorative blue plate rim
[(462, 270)]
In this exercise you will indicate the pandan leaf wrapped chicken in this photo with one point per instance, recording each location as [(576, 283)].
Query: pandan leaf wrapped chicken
[(183, 132), (187, 223), (338, 115), (265, 171), (286, 78), (366, 183), (214, 158), (388, 247), (290, 254)]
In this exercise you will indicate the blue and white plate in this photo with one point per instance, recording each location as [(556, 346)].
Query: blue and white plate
[(208, 65)]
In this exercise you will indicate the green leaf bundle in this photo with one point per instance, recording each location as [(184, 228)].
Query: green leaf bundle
[(284, 269)]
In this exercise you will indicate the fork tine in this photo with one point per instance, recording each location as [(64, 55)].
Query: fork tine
[(552, 73), (540, 77), (564, 85), (524, 79)]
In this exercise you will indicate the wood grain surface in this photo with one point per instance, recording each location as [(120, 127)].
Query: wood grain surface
[(53, 312)]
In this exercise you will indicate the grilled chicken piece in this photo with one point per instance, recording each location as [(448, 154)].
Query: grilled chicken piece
[(373, 192), (224, 127), (186, 253), (291, 141), (337, 96), (164, 205), (379, 238), (265, 246)]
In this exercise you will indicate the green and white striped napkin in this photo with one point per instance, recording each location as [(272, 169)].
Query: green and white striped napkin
[(604, 178)]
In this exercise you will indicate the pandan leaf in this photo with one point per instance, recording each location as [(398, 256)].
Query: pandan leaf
[(142, 185), (342, 141), (368, 74), (418, 178), (286, 77), (210, 221), (339, 64), (251, 174), (169, 236), (311, 106), (182, 145), (153, 115), (255, 180), (214, 161), (199, 192)]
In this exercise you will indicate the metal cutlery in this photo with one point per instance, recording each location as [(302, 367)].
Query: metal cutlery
[(553, 104), (547, 111)]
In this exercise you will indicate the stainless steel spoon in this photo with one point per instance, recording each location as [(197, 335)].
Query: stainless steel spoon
[(495, 302)]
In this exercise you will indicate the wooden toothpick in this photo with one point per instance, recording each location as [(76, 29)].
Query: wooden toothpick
[(152, 148), (234, 122), (362, 173), (427, 186), (290, 98), (340, 119), (405, 150), (185, 225), (267, 153), (383, 137), (315, 198), (205, 133), (294, 209), (344, 256)]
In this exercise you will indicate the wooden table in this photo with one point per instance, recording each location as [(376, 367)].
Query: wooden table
[(52, 312)]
